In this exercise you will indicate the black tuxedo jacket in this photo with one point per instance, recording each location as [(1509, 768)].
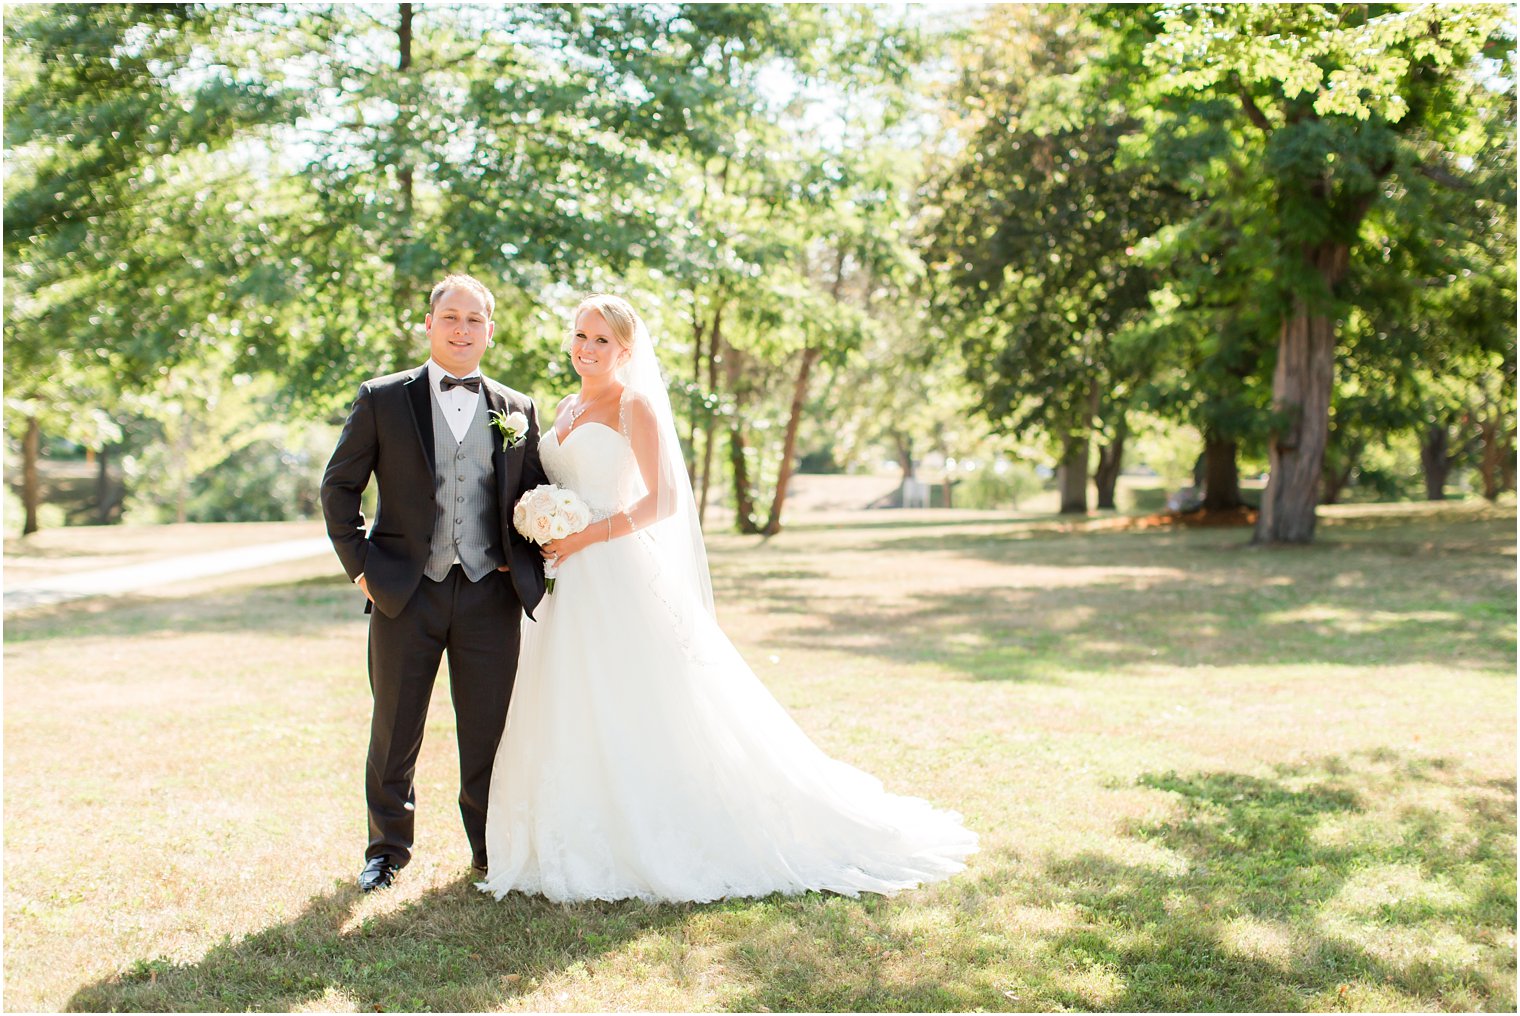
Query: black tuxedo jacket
[(389, 434)]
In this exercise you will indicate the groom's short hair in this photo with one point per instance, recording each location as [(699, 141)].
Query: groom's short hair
[(460, 281)]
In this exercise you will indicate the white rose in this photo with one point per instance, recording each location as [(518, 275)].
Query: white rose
[(559, 528), (517, 423), (579, 516), (541, 501), (520, 518), (542, 528)]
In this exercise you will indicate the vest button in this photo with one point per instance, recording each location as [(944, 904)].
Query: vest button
[(460, 499), (458, 522), (461, 477)]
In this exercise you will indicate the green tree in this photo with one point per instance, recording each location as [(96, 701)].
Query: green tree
[(120, 215), (1366, 98), (1034, 246)]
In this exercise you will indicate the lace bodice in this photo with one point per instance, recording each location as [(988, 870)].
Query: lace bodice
[(597, 463)]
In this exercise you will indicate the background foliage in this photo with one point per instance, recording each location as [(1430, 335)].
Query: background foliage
[(1053, 239)]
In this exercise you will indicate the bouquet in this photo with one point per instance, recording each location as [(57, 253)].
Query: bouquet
[(546, 513)]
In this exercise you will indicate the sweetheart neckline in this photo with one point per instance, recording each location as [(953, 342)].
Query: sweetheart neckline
[(576, 430)]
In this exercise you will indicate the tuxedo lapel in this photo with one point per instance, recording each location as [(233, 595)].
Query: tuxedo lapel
[(497, 403), (422, 413)]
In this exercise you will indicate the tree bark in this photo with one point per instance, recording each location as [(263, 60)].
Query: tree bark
[(698, 345), (403, 287), (789, 442), (1071, 474), (1336, 479), (31, 491), (1221, 475), (1436, 460), (1110, 464), (744, 502), (1491, 468), (1301, 389), (105, 492), (903, 444), (810, 354), (709, 417), (744, 497), (1507, 463)]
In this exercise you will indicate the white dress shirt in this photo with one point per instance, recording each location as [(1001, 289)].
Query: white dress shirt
[(458, 403)]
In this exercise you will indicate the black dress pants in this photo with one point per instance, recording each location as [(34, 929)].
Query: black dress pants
[(477, 625)]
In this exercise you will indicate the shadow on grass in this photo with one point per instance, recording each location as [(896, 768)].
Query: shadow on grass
[(1117, 600), (1250, 854), (450, 950), (1301, 859), (1266, 854)]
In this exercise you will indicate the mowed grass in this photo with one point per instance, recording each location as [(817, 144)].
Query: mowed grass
[(1205, 777)]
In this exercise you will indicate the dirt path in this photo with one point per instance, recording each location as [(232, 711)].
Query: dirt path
[(164, 571)]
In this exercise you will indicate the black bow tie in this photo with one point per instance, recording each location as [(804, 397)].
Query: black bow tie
[(472, 383)]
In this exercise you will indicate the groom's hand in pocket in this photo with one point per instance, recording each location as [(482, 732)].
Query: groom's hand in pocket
[(363, 585)]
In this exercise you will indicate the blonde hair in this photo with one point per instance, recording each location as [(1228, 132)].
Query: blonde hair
[(466, 282), (619, 314)]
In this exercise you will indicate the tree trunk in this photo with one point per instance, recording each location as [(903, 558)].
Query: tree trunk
[(697, 346), (709, 416), (1221, 476), (903, 443), (105, 495), (1336, 479), (1071, 474), (403, 286), (1491, 468), (1435, 459), (789, 442), (744, 498), (1110, 464), (1507, 462), (31, 491), (744, 502), (1301, 389)]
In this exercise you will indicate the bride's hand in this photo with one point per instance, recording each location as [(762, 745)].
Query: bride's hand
[(562, 549)]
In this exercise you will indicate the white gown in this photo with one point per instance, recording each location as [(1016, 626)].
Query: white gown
[(643, 758)]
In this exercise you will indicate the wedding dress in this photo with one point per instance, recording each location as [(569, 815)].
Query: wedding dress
[(643, 758)]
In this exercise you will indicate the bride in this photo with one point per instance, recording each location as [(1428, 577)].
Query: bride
[(642, 757)]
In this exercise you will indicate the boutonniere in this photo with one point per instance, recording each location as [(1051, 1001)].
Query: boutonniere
[(513, 427)]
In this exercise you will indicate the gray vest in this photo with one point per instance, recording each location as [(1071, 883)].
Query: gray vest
[(467, 527)]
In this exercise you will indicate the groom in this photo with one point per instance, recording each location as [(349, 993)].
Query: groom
[(444, 571)]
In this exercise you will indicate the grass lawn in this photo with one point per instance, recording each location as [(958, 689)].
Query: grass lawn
[(1205, 777)]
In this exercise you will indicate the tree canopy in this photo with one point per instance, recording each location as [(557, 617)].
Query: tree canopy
[(1287, 227)]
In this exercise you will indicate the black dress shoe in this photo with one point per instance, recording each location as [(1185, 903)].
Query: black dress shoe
[(379, 873), (479, 864)]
